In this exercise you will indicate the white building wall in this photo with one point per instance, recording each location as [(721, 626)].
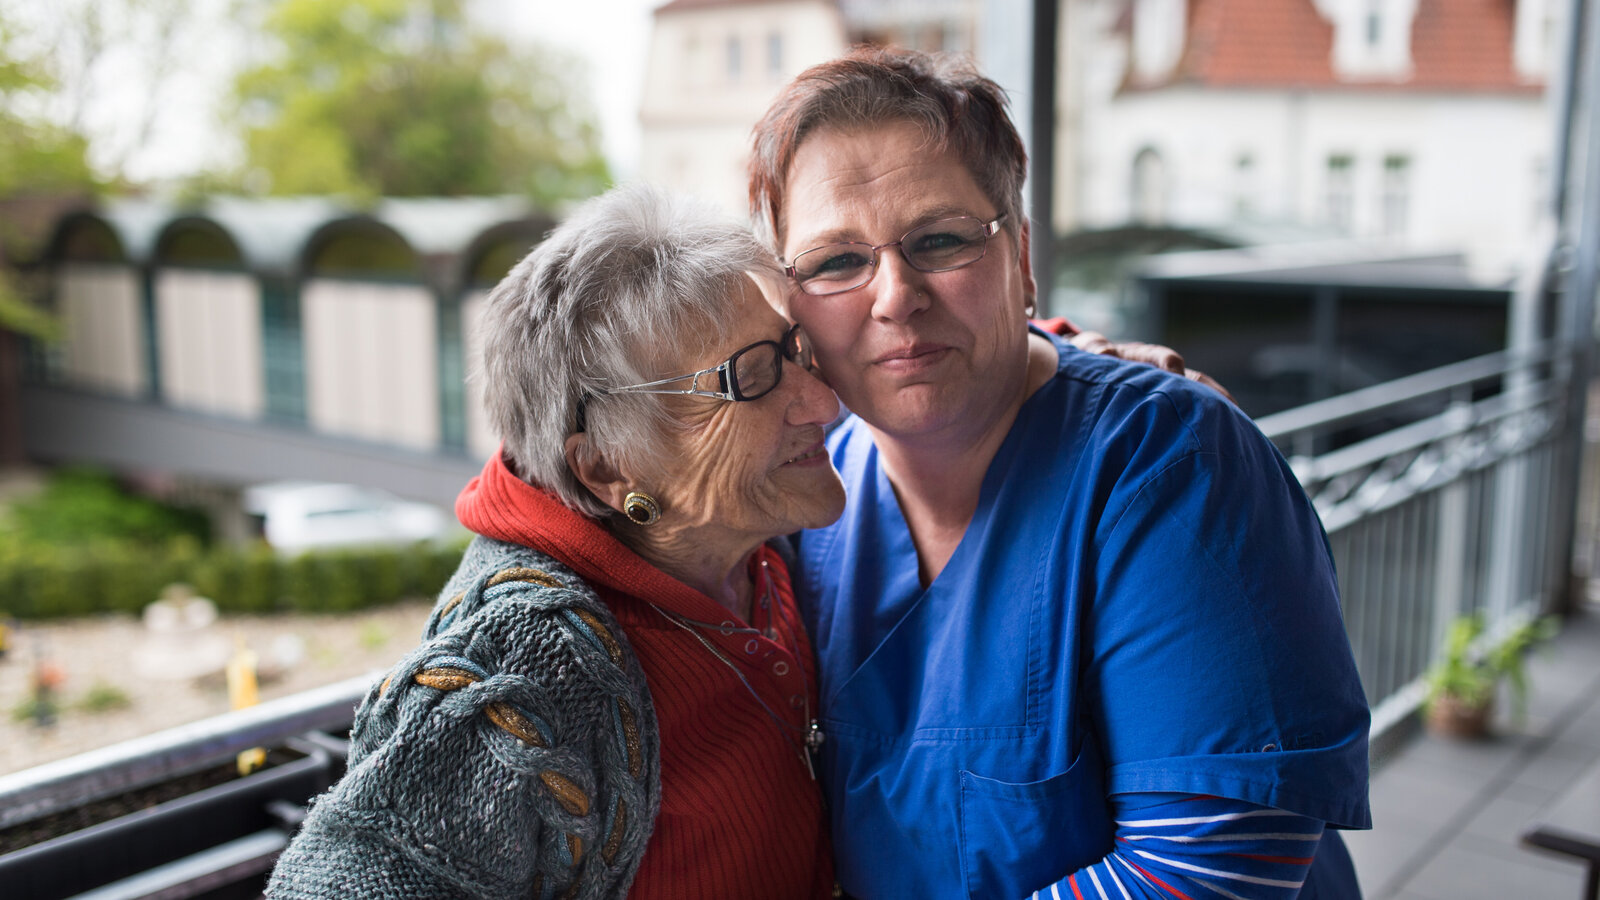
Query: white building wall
[(208, 327), (372, 367), (706, 161), (1473, 160), (696, 110), (104, 345)]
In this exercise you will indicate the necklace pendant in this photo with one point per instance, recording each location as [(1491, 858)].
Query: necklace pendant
[(814, 737)]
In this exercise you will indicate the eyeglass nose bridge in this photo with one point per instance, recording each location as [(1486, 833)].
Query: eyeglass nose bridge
[(872, 270), (898, 243)]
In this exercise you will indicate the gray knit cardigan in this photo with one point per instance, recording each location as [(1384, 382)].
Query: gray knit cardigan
[(514, 753)]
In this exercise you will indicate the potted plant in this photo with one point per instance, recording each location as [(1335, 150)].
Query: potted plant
[(1463, 683)]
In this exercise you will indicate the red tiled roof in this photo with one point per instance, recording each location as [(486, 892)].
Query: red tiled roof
[(1464, 44), (1251, 42), (1455, 44)]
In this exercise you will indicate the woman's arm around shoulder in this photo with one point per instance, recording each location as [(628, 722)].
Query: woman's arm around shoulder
[(1199, 847)]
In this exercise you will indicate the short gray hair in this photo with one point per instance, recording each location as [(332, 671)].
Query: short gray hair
[(628, 278)]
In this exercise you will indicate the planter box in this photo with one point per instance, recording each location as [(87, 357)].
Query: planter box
[(229, 823)]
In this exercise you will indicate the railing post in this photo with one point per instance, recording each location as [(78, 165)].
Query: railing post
[(1450, 549), (1578, 298)]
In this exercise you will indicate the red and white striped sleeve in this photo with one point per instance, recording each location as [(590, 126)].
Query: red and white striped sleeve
[(1194, 847)]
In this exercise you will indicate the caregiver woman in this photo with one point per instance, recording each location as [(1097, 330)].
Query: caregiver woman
[(614, 694), (1078, 628)]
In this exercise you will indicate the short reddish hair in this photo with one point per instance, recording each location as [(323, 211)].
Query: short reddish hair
[(958, 109)]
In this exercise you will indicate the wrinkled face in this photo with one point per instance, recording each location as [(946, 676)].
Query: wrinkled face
[(913, 353), (754, 469)]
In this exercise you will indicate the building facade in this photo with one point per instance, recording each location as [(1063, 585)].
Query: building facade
[(1420, 121), (247, 340), (715, 65)]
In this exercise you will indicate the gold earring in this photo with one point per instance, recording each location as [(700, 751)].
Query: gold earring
[(641, 509)]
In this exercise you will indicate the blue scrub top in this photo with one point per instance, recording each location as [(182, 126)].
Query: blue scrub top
[(1144, 601)]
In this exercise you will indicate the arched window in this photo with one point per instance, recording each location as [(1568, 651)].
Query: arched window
[(208, 320), (370, 328), (1148, 200)]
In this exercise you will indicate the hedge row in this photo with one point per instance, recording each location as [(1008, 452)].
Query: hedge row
[(38, 582)]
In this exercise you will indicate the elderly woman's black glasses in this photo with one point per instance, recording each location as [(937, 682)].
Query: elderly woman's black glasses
[(935, 247), (750, 373)]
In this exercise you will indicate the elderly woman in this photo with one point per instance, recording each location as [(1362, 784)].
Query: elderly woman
[(1078, 629), (614, 694)]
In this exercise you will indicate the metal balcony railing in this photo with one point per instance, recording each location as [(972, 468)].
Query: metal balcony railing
[(1454, 508), (164, 816), (1441, 494)]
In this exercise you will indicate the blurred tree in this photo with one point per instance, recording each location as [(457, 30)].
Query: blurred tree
[(35, 154), (43, 166), (37, 158), (108, 71), (406, 98)]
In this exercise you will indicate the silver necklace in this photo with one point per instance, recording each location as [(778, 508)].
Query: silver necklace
[(811, 735)]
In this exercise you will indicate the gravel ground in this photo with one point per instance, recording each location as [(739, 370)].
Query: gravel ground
[(297, 652)]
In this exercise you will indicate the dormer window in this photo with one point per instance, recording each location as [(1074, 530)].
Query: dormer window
[(1534, 40), (1371, 38), (1159, 28)]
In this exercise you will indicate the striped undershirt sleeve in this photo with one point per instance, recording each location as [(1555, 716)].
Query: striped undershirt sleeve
[(1191, 847)]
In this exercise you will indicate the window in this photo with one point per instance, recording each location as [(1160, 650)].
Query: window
[(1148, 204), (1339, 194), (1396, 199), (1541, 192), (735, 60), (1374, 22), (775, 56), (1244, 186), (283, 353), (695, 67)]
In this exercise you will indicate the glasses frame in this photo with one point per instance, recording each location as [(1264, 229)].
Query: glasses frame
[(990, 229), (721, 370)]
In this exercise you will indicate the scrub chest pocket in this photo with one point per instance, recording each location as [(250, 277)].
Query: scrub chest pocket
[(1018, 838)]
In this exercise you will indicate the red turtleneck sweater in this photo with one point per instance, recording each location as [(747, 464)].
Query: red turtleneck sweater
[(740, 815)]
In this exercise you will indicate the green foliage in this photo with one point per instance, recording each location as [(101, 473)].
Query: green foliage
[(36, 157), (81, 506), (375, 98), (19, 316), (1470, 672), (83, 546), (250, 577), (32, 709), (43, 581), (104, 697)]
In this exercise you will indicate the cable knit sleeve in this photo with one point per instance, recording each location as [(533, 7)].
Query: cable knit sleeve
[(512, 754)]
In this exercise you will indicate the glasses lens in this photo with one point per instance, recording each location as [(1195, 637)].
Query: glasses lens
[(797, 348), (834, 268), (945, 245), (756, 369)]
